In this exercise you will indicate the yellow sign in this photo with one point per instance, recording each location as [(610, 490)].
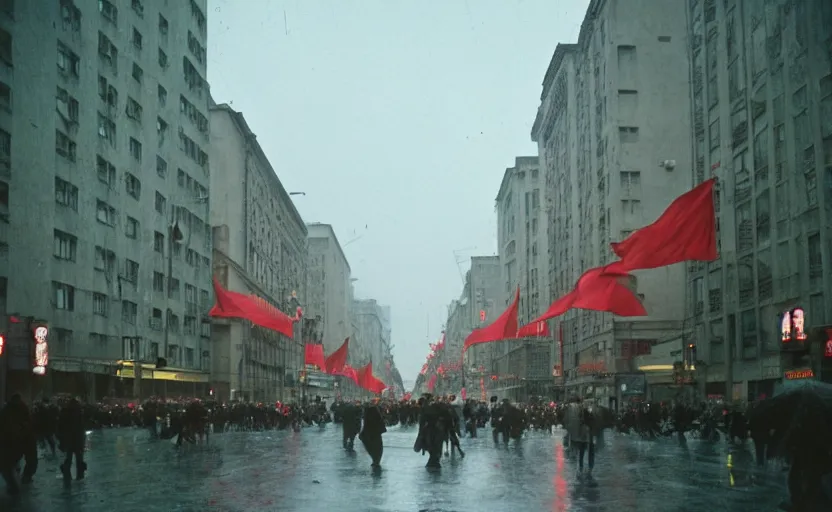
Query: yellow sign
[(128, 373)]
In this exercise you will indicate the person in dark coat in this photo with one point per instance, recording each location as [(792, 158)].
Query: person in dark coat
[(350, 415), (371, 434), (71, 438), (17, 441), (434, 424)]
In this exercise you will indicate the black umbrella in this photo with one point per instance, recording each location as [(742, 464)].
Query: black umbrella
[(802, 411)]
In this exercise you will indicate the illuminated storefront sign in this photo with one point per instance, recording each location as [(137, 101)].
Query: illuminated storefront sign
[(41, 350), (805, 373), (793, 328)]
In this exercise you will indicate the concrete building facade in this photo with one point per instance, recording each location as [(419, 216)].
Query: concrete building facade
[(116, 258), (522, 247), (482, 297), (260, 248), (369, 344), (762, 114), (613, 134), (330, 286)]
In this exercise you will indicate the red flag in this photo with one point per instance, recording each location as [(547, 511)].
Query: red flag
[(236, 305), (431, 383), (338, 359), (686, 231), (348, 372), (368, 381), (313, 354), (598, 289), (533, 330), (504, 327)]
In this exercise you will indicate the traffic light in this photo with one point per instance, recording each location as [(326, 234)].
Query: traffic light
[(482, 315), (2, 344)]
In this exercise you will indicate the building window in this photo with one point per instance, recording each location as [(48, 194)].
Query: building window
[(138, 73), (69, 63), (156, 319), (163, 59), (161, 167), (138, 7), (64, 296), (160, 203), (628, 134), (163, 25), (66, 194), (106, 171), (107, 92), (133, 110), (67, 106), (158, 283), (131, 228), (162, 96), (131, 271), (65, 246), (133, 186), (107, 129), (104, 213), (136, 149), (99, 304), (107, 51), (159, 242), (137, 39), (64, 146), (129, 312), (71, 16), (108, 11), (105, 260)]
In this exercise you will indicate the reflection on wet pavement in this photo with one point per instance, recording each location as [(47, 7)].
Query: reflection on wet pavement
[(308, 471)]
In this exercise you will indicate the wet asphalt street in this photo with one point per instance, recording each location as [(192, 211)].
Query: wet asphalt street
[(308, 471)]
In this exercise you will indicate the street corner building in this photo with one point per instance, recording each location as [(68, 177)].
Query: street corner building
[(104, 241), (260, 248)]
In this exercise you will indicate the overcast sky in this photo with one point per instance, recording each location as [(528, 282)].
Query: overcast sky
[(398, 119)]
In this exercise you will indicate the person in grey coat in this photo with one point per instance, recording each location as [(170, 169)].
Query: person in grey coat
[(578, 422)]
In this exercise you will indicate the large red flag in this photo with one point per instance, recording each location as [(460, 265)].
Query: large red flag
[(313, 354), (336, 360), (504, 327), (686, 231), (598, 289), (236, 305)]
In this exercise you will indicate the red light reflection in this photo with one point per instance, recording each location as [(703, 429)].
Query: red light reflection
[(561, 503)]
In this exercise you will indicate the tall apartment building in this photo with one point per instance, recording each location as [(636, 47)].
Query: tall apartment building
[(522, 247), (613, 109), (369, 344), (330, 286), (260, 248), (762, 110), (115, 257), (482, 296)]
